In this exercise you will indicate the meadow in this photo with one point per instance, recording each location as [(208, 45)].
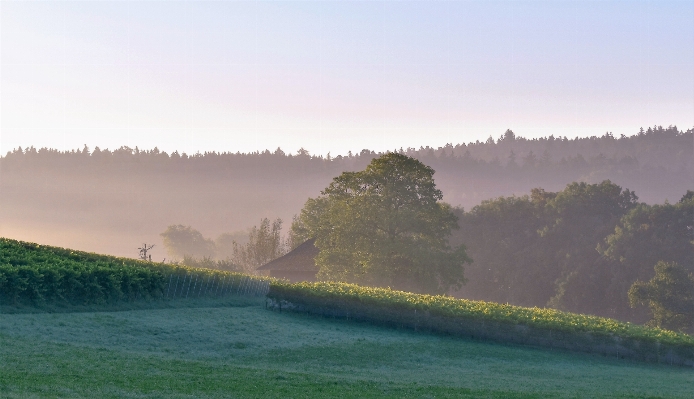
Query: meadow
[(493, 321), (234, 347)]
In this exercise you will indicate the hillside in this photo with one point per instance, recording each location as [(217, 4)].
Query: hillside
[(46, 278), (239, 349), (184, 332), (111, 201)]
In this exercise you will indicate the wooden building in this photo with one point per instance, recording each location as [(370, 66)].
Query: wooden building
[(297, 265)]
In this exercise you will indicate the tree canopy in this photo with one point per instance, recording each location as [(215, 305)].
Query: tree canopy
[(669, 295), (181, 241), (540, 250), (385, 226)]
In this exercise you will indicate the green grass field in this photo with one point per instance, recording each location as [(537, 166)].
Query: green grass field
[(236, 348)]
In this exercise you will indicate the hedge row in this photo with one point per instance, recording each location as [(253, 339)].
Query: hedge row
[(39, 284), (35, 274), (544, 327)]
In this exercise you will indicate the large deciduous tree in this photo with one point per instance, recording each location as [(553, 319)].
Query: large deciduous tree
[(651, 233), (646, 235), (385, 226)]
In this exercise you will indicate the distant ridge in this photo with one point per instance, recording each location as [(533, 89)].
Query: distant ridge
[(108, 201)]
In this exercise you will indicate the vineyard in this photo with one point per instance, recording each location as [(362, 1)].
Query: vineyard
[(35, 274), (488, 320)]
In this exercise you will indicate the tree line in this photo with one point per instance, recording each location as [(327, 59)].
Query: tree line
[(658, 162), (590, 248), (656, 147)]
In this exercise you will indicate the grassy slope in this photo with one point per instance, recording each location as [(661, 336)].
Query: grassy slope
[(247, 351)]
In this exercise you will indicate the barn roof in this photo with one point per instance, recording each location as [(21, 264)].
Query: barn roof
[(300, 259)]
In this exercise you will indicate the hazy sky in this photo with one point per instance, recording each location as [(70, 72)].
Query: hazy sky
[(337, 75)]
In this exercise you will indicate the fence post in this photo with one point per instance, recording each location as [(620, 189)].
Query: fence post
[(223, 285), (238, 289), (183, 284), (176, 288), (168, 287), (191, 279), (202, 281), (216, 292)]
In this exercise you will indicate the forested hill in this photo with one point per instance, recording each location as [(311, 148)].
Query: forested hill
[(111, 201)]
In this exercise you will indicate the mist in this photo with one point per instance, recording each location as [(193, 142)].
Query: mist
[(112, 201)]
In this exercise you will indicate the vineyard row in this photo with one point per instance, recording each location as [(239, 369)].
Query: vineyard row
[(485, 320)]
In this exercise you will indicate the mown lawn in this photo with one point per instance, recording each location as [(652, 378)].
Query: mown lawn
[(236, 348)]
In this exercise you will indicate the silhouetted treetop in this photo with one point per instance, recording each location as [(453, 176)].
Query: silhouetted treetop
[(655, 147)]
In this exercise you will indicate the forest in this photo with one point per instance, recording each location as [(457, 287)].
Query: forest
[(67, 198)]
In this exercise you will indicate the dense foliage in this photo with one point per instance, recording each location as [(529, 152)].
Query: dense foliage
[(648, 234), (669, 295), (384, 226), (579, 249), (38, 274)]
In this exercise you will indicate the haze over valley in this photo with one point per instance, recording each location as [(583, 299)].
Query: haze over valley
[(111, 201)]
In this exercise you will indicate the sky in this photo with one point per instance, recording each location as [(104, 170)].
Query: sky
[(337, 76)]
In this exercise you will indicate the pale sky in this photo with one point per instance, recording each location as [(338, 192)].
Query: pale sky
[(334, 76)]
